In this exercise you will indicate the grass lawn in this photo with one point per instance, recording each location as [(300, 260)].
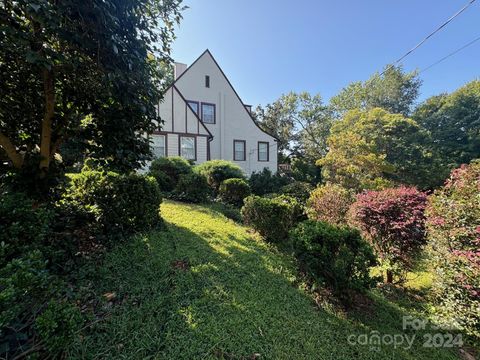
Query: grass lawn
[(206, 288)]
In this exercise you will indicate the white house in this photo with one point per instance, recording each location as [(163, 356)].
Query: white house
[(205, 119)]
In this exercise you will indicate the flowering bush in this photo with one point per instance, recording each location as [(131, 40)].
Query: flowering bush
[(393, 220), (453, 225), (329, 203)]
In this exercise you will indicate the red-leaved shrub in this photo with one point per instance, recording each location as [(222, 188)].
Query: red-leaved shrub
[(393, 220)]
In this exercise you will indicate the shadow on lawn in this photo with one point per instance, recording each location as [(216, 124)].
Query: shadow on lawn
[(212, 293)]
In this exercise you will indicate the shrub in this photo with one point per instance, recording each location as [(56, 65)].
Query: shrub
[(120, 203), (393, 220), (192, 188), (272, 218), (264, 182), (453, 228), (305, 171), (167, 171), (298, 190), (329, 203), (23, 225), (335, 256), (233, 191), (216, 171)]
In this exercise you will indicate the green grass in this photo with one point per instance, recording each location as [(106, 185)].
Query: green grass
[(205, 287)]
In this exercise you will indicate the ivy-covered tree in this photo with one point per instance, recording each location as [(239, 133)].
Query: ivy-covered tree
[(81, 69)]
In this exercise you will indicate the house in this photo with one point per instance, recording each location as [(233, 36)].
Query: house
[(205, 119)]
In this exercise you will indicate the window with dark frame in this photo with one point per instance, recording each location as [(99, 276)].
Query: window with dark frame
[(187, 147), (239, 150), (208, 113), (158, 147), (194, 105), (207, 81), (263, 151)]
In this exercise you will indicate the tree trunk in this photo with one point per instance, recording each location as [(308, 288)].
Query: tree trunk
[(389, 279), (46, 134), (12, 153)]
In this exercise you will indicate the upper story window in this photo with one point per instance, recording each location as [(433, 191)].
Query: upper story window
[(187, 147), (193, 105), (208, 113), (158, 147), (239, 153), (263, 151), (207, 81)]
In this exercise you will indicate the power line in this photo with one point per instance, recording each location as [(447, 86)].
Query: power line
[(449, 55), (430, 35)]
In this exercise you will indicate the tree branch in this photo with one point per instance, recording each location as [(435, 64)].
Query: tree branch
[(12, 153)]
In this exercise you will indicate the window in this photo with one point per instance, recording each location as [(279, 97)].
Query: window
[(187, 147), (158, 146), (207, 81), (239, 150), (263, 151), (193, 105), (208, 113)]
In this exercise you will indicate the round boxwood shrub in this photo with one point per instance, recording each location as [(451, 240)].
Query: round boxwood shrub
[(120, 203), (335, 256), (271, 217), (167, 171), (217, 171), (298, 189), (329, 203), (192, 188), (233, 191), (453, 231)]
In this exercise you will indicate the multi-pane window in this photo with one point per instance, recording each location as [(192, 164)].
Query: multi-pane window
[(158, 146), (193, 105), (187, 147), (263, 151), (208, 113), (239, 150)]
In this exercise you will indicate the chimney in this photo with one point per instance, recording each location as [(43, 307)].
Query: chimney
[(179, 69)]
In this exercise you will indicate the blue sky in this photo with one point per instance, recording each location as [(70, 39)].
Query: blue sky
[(270, 47)]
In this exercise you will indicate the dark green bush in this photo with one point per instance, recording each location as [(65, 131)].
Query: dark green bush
[(233, 191), (298, 189), (335, 256), (167, 171), (271, 217), (192, 188), (121, 204), (216, 171), (264, 182)]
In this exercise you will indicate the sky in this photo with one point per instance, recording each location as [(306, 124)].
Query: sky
[(270, 47)]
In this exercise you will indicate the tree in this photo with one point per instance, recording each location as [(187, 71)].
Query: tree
[(301, 122), (85, 69), (373, 149), (393, 90), (454, 124)]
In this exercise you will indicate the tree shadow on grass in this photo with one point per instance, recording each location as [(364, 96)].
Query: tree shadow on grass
[(200, 290)]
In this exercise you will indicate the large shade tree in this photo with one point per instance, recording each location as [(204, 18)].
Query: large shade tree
[(85, 69)]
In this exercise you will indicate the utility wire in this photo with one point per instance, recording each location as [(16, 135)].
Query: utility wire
[(429, 36), (449, 55)]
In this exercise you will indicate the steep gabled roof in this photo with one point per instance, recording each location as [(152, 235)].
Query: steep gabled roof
[(229, 84)]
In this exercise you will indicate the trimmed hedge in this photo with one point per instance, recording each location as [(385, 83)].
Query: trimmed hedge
[(271, 217), (167, 171), (264, 182), (233, 191), (217, 171), (192, 188)]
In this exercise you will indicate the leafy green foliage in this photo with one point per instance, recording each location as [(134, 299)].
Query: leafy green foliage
[(271, 217), (120, 203), (167, 171), (329, 203), (192, 187), (372, 150), (393, 220), (453, 224), (264, 182), (216, 171), (305, 170), (298, 189), (233, 191), (335, 256)]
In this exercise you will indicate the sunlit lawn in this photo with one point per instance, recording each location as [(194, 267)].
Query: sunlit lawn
[(205, 287)]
